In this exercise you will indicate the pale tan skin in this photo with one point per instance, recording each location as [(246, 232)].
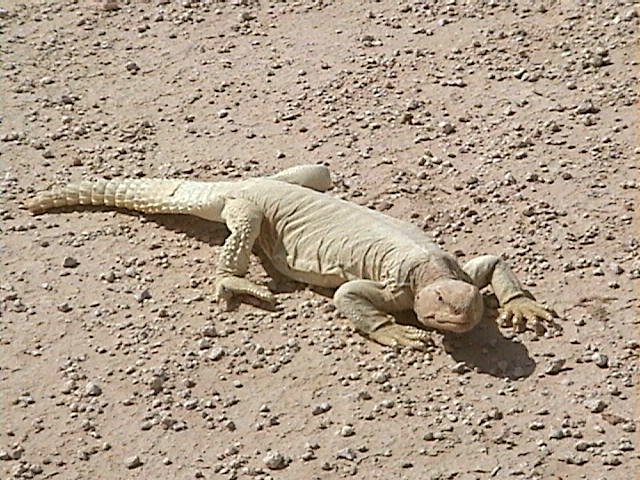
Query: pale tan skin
[(379, 265)]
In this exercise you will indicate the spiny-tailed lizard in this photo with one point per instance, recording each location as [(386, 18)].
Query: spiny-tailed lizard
[(379, 265)]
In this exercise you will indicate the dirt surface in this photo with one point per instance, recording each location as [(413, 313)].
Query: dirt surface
[(499, 127)]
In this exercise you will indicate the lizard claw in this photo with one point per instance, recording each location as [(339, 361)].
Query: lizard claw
[(226, 287), (520, 311), (395, 335)]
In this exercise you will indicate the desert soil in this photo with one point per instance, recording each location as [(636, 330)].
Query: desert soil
[(503, 127)]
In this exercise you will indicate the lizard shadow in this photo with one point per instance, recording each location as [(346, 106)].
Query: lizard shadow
[(210, 233)]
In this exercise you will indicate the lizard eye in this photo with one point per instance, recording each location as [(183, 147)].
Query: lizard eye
[(440, 299)]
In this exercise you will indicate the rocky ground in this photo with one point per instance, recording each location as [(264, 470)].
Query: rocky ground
[(505, 127)]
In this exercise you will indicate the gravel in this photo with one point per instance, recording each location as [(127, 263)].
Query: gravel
[(503, 128)]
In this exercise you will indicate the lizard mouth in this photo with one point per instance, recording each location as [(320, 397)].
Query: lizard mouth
[(449, 305)]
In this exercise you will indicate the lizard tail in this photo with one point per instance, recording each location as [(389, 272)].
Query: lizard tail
[(141, 195)]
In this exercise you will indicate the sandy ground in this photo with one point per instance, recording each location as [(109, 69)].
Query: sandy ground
[(504, 127)]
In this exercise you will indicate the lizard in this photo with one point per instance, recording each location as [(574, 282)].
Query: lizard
[(377, 264)]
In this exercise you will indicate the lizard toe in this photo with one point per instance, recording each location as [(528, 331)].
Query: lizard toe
[(519, 322)]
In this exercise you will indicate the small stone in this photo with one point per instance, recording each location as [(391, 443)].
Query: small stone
[(447, 127), (65, 307), (347, 431), (380, 377), (321, 408), (600, 359), (69, 387), (132, 67), (616, 268), (596, 405), (274, 460), (70, 262), (156, 384), (146, 425), (132, 462), (16, 453), (347, 454), (612, 460), (209, 331), (308, 455), (460, 367), (557, 434), (536, 425), (555, 366), (92, 389), (581, 446), (143, 295), (110, 5), (216, 353), (246, 17), (587, 107)]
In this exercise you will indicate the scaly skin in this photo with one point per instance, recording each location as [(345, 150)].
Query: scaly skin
[(379, 265)]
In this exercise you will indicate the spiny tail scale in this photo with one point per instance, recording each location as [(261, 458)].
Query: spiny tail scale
[(141, 195)]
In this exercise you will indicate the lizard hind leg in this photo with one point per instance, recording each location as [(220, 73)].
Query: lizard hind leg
[(243, 219), (368, 305)]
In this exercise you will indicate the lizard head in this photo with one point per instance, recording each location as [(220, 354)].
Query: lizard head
[(451, 305)]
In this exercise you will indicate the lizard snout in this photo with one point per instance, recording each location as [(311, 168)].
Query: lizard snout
[(450, 305)]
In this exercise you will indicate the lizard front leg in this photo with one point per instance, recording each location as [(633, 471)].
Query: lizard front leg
[(367, 304), (518, 306), (243, 220)]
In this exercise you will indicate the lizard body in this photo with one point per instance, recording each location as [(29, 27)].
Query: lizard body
[(378, 264)]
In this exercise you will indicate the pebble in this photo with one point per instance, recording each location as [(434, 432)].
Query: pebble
[(142, 295), (595, 405), (92, 389), (347, 454), (460, 368), (347, 431), (274, 460), (447, 127), (132, 462), (132, 67), (587, 107), (380, 377), (216, 353), (600, 359), (321, 408), (555, 366), (70, 262), (573, 143), (209, 331)]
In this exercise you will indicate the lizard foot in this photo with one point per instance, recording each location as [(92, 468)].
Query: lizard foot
[(395, 335), (227, 287), (520, 311)]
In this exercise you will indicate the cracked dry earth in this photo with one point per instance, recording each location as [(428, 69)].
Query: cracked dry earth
[(504, 127)]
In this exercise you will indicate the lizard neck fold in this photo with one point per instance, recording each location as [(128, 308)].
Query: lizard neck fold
[(436, 268)]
